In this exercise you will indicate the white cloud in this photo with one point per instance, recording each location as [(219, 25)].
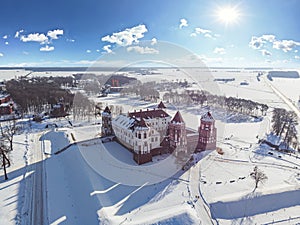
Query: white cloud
[(142, 50), (6, 43), (199, 30), (183, 23), (70, 40), (53, 34), (126, 37), (256, 42), (220, 51), (47, 48), (1, 54), (36, 37), (268, 37), (153, 41), (18, 33), (5, 37), (265, 52), (296, 51), (25, 53), (206, 33), (297, 57), (88, 51), (285, 45), (107, 49)]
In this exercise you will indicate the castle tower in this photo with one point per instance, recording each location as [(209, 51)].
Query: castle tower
[(161, 105), (142, 145), (177, 133), (207, 133), (106, 129)]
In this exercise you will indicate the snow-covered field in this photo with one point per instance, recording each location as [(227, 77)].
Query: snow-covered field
[(95, 183)]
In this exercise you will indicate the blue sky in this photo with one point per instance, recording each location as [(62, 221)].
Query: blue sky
[(250, 33)]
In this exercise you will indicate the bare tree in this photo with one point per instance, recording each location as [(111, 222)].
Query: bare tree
[(83, 107), (8, 131), (4, 159), (258, 176)]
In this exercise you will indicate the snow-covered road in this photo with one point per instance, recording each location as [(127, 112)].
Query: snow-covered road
[(283, 97), (35, 194), (201, 208)]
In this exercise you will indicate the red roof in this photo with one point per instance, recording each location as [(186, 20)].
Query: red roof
[(207, 116), (149, 114), (141, 123), (177, 118), (161, 105), (107, 110)]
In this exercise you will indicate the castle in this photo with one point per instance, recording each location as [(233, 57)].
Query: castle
[(147, 133)]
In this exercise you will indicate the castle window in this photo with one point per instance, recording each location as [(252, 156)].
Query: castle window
[(139, 136), (145, 135)]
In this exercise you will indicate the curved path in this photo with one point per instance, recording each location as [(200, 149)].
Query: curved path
[(201, 207)]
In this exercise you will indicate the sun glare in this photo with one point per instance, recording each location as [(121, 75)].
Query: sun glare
[(228, 15)]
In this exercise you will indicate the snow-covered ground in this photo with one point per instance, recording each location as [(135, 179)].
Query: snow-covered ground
[(93, 182)]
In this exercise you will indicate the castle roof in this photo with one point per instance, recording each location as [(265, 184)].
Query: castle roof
[(107, 110), (161, 105), (149, 114), (207, 117), (141, 123), (177, 118)]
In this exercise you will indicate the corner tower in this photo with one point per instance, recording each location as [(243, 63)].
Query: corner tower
[(106, 129), (177, 133), (207, 133)]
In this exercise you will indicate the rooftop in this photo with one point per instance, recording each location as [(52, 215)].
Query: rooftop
[(149, 114), (161, 105), (177, 118), (207, 117)]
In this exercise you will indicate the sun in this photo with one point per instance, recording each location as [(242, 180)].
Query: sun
[(228, 14)]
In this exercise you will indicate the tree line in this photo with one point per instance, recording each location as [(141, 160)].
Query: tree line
[(8, 130), (204, 98), (146, 91), (34, 95), (284, 126)]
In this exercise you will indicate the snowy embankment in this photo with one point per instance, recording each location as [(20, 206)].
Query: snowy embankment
[(88, 184), (12, 191), (79, 194), (54, 141), (256, 203)]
